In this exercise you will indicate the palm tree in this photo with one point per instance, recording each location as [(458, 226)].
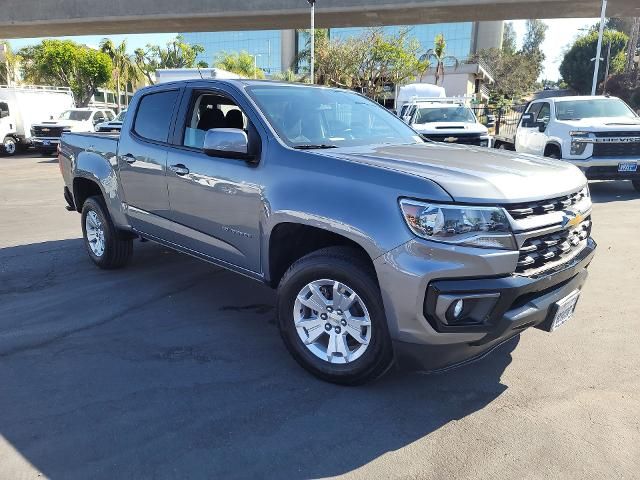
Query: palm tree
[(125, 71), (438, 55), (243, 64)]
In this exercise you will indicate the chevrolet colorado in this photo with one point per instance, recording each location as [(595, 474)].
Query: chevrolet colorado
[(382, 247)]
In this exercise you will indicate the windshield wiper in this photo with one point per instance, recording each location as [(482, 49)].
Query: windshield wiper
[(314, 146)]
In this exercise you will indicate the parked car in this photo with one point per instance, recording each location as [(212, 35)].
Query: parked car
[(23, 106), (46, 135), (600, 135), (447, 120), (382, 247), (112, 126)]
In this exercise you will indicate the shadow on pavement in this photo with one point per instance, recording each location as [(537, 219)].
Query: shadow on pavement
[(173, 368), (612, 191)]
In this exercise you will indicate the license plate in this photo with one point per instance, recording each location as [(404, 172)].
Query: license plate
[(565, 309), (628, 167), (46, 143)]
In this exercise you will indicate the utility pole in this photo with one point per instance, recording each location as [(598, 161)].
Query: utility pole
[(599, 48), (312, 60)]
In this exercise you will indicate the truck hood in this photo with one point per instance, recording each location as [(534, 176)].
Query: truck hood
[(473, 174), (443, 128), (74, 125), (604, 124)]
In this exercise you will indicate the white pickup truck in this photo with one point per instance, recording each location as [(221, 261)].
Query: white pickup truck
[(599, 134), (46, 135), (448, 120)]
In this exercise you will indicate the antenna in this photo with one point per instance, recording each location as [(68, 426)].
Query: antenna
[(200, 72)]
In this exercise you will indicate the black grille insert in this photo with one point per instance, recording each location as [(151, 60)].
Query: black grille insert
[(530, 209)]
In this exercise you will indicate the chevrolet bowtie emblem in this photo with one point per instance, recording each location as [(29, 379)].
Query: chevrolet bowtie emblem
[(451, 139), (46, 130), (571, 219)]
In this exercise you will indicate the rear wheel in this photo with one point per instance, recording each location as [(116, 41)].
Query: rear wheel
[(9, 146), (107, 247), (331, 317)]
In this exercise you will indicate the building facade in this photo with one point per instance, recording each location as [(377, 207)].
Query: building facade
[(276, 50)]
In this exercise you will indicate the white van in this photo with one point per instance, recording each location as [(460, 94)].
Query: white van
[(23, 106)]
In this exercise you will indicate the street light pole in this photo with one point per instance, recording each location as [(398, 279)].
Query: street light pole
[(599, 47), (312, 60)]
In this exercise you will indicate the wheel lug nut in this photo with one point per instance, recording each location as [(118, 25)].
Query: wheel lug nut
[(329, 309), (339, 312), (338, 329), (327, 327), (323, 316), (344, 323)]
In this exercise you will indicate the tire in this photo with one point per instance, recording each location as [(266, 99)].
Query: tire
[(344, 268), (552, 152), (116, 249), (9, 146), (636, 185)]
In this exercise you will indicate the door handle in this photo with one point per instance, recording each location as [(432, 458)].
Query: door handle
[(179, 169), (129, 158)]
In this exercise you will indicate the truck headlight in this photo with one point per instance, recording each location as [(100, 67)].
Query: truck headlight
[(579, 141), (484, 227)]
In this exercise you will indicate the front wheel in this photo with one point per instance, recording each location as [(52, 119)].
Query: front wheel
[(10, 146), (106, 246), (332, 319), (636, 185)]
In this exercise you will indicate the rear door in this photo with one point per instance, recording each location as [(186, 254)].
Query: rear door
[(142, 161)]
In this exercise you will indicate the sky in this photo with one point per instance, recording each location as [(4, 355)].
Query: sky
[(560, 35)]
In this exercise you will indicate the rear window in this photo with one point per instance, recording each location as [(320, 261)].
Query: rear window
[(153, 118)]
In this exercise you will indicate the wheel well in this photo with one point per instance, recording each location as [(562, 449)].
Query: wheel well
[(552, 148), (291, 241), (84, 188)]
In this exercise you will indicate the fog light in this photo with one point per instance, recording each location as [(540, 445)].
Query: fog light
[(458, 306)]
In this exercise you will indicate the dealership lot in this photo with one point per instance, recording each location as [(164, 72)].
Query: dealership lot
[(174, 368)]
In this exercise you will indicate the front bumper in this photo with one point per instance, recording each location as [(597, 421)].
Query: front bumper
[(606, 168), (45, 143), (426, 343)]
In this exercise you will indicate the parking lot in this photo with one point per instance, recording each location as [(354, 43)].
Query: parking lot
[(174, 368)]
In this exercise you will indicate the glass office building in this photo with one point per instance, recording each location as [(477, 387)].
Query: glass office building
[(264, 44), (275, 50)]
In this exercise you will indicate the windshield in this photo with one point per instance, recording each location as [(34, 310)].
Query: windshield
[(77, 115), (596, 107), (444, 114), (120, 116), (312, 117)]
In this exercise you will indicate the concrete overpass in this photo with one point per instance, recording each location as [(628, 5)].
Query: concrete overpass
[(37, 18)]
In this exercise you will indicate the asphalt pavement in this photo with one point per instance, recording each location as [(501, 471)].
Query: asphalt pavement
[(173, 368)]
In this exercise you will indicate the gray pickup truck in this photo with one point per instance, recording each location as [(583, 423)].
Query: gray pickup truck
[(383, 247)]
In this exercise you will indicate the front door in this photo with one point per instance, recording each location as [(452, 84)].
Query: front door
[(216, 203), (527, 130), (142, 162)]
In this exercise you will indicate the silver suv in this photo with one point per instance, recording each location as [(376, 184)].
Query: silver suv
[(382, 247)]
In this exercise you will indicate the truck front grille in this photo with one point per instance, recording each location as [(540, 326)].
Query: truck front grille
[(617, 149), (48, 132), (460, 138), (546, 251), (524, 210)]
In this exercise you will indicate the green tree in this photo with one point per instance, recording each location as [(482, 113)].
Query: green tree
[(577, 68), (242, 63), (66, 63), (514, 74), (534, 36), (509, 39), (438, 55), (8, 63), (176, 54), (124, 67)]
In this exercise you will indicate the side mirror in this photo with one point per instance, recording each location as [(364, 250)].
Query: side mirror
[(226, 142), (541, 126), (527, 121), (4, 113)]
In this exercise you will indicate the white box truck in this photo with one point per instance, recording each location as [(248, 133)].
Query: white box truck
[(23, 106)]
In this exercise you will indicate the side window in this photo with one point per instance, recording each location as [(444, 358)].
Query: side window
[(153, 118), (98, 117), (108, 115), (209, 110), (544, 114), (533, 109), (4, 109)]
